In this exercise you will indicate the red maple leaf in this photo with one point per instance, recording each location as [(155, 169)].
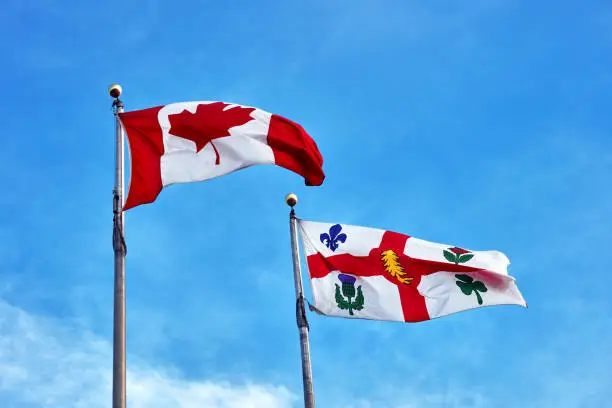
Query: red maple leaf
[(210, 121)]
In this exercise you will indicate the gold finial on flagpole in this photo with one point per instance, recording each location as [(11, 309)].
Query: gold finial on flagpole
[(115, 91), (291, 200)]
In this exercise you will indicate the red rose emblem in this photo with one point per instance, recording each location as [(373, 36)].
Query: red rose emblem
[(459, 251), (457, 255)]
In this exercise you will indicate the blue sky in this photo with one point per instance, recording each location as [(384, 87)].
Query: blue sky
[(484, 124)]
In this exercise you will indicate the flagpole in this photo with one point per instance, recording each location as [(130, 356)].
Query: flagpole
[(302, 323), (119, 247)]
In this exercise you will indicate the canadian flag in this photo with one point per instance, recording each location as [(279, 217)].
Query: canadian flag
[(368, 273), (194, 141)]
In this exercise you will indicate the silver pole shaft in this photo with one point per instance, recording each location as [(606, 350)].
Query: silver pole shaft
[(119, 393), (301, 317)]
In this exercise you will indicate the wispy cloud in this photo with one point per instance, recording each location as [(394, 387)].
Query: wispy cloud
[(51, 363)]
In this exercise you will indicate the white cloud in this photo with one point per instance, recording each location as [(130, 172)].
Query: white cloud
[(50, 363)]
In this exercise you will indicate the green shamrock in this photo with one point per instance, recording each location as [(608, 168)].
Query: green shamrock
[(467, 285)]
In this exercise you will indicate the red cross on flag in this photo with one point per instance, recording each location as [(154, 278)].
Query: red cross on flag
[(359, 272), (195, 141)]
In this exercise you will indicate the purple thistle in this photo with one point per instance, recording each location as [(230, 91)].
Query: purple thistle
[(347, 278)]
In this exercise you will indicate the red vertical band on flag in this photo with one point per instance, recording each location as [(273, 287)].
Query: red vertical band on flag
[(295, 150), (146, 149), (413, 304)]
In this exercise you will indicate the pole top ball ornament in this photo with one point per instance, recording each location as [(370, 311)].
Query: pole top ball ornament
[(291, 200), (115, 91)]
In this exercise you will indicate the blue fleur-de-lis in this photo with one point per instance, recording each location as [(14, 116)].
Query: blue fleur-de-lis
[(334, 238)]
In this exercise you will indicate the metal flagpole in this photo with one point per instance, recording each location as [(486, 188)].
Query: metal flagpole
[(119, 394), (302, 323)]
